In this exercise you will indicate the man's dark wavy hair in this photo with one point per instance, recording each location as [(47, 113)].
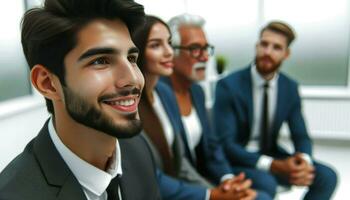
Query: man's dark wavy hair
[(50, 32)]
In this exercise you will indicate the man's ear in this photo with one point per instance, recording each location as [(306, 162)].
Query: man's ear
[(45, 82), (287, 53)]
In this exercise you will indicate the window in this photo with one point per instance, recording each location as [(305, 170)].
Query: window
[(13, 66), (320, 54), (16, 93)]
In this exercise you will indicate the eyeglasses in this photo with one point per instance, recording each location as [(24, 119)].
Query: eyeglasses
[(196, 50)]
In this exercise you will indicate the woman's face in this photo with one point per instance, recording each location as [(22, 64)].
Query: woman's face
[(159, 53)]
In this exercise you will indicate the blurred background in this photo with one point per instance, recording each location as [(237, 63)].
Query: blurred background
[(319, 62)]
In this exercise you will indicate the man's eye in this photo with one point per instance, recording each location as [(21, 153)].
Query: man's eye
[(132, 59), (263, 44), (277, 47), (100, 61), (194, 48)]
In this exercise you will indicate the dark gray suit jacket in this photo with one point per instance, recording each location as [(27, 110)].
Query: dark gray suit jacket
[(40, 173)]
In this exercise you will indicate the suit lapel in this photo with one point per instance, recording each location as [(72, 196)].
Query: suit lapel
[(198, 104), (165, 104), (55, 169), (167, 81), (71, 190), (170, 113), (281, 104), (127, 179), (247, 89)]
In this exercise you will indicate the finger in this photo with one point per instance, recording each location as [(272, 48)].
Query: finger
[(309, 179), (303, 181), (298, 174), (240, 195), (300, 165), (303, 167), (298, 182), (250, 195), (226, 185), (311, 168), (240, 177), (292, 164), (244, 185)]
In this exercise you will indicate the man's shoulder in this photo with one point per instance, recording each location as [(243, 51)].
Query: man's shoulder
[(197, 87), (22, 178), (139, 170), (135, 146), (237, 76), (234, 80), (136, 152), (197, 91), (287, 80)]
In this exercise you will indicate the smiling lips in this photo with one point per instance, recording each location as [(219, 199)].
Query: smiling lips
[(167, 64), (126, 104), (266, 59)]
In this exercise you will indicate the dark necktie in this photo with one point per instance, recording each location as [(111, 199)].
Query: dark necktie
[(265, 138), (112, 189)]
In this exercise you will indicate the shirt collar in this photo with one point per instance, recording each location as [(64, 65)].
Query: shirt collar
[(259, 81), (89, 176)]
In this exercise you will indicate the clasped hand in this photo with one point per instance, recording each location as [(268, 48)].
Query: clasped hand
[(236, 188), (296, 168)]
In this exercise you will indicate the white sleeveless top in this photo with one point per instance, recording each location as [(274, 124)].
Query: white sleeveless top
[(193, 129)]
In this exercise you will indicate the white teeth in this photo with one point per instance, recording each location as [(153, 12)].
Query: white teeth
[(125, 102), (121, 102)]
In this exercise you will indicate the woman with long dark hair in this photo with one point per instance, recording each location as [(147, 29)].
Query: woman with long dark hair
[(160, 115)]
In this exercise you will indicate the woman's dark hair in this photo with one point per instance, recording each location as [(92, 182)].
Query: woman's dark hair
[(146, 110), (50, 32), (141, 35)]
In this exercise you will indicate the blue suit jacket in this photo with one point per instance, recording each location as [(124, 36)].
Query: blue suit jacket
[(169, 102), (233, 114), (174, 189), (171, 188), (210, 159)]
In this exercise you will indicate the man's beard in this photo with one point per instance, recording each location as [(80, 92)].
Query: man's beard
[(263, 71), (83, 112)]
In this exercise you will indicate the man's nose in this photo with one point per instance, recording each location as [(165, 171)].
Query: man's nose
[(204, 56), (267, 50), (127, 74)]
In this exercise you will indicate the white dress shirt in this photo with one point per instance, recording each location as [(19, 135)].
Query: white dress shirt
[(94, 181), (164, 119), (258, 82), (264, 162)]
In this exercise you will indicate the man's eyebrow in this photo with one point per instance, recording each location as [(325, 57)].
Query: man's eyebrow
[(96, 51), (133, 50)]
